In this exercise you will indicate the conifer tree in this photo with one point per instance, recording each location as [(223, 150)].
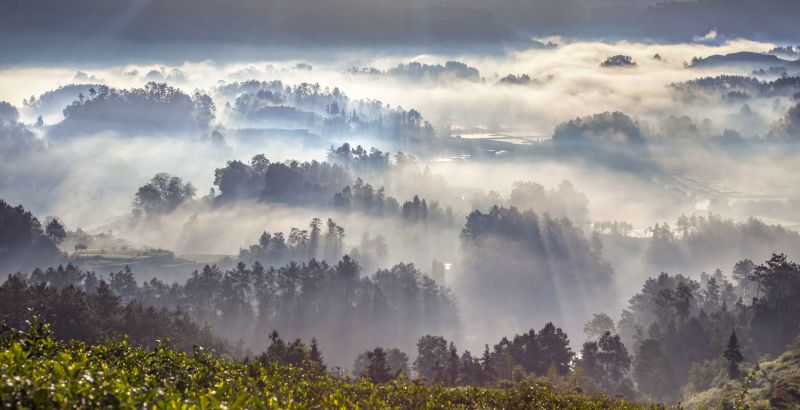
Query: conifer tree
[(734, 356)]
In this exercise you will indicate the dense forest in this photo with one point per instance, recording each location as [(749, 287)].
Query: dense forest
[(285, 286)]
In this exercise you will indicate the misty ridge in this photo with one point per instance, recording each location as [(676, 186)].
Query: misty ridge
[(597, 197)]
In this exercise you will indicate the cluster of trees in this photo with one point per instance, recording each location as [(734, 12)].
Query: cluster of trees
[(787, 51), (439, 361), (618, 61), (616, 228), (274, 107), (358, 159), (346, 310), (686, 333), (364, 198), (416, 71), (738, 87), (24, 242), (162, 195), (788, 127), (564, 201), (694, 240), (381, 365), (329, 112), (320, 183), (291, 182), (517, 79), (298, 245), (689, 339), (608, 128), (78, 306), (417, 210), (534, 263), (253, 95), (611, 138), (156, 107), (295, 353), (607, 363)]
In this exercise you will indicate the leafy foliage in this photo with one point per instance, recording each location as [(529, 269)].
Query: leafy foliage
[(162, 194), (37, 371)]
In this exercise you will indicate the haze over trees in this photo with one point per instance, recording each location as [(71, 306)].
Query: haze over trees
[(528, 259), (162, 195), (156, 107), (415, 204)]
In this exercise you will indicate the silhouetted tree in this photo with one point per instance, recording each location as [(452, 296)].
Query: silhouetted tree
[(606, 361), (734, 356), (55, 231), (378, 370)]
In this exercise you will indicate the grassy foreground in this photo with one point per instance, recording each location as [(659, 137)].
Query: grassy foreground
[(37, 371)]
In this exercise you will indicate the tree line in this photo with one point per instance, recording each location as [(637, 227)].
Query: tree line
[(336, 304)]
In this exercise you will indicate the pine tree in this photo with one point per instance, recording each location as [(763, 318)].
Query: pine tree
[(487, 374), (734, 356), (316, 355), (378, 370), (453, 365)]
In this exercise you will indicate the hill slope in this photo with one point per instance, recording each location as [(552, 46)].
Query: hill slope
[(774, 385)]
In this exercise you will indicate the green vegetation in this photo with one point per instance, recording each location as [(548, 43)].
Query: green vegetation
[(38, 371), (773, 384)]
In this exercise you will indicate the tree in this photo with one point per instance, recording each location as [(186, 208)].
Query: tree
[(295, 354), (378, 370), (606, 361), (55, 231), (488, 373), (163, 194), (734, 356), (315, 355), (123, 283), (742, 272), (469, 370), (432, 354), (453, 367), (23, 244), (397, 361), (600, 324), (555, 348), (652, 370)]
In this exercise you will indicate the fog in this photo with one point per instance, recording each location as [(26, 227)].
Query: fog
[(638, 143)]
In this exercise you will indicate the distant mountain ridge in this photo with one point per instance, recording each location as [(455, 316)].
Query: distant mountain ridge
[(748, 58)]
